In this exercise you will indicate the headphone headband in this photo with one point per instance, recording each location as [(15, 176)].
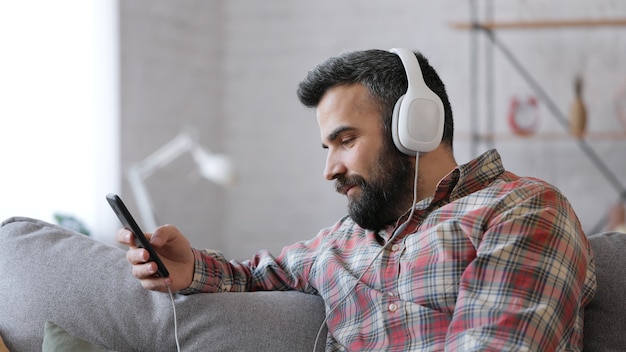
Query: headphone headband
[(412, 68)]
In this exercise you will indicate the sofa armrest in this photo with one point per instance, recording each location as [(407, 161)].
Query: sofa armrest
[(84, 286), (605, 316)]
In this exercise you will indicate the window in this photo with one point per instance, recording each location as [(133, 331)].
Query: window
[(58, 110)]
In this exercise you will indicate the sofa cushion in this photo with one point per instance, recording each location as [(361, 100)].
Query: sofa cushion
[(52, 274), (56, 339), (605, 316)]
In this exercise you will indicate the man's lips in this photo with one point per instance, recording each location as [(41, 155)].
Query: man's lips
[(346, 189), (348, 185)]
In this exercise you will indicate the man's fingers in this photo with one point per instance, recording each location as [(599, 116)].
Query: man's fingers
[(144, 271), (124, 236), (162, 235), (154, 284), (137, 256)]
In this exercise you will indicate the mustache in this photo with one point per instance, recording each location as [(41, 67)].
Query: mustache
[(342, 184)]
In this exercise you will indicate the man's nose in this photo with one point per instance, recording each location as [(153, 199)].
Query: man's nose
[(334, 167)]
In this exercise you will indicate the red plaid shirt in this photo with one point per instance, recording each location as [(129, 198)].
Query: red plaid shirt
[(492, 261)]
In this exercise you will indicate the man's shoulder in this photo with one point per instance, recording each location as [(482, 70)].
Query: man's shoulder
[(530, 184), (511, 190)]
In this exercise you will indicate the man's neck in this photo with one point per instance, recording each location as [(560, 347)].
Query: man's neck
[(433, 166)]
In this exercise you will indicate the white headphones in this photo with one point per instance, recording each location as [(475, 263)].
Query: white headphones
[(418, 116)]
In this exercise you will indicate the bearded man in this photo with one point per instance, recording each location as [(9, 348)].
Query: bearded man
[(432, 255)]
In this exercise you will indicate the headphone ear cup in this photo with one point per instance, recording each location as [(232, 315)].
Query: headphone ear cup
[(416, 125), (418, 116)]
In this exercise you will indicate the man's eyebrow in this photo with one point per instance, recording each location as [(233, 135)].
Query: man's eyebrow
[(336, 133)]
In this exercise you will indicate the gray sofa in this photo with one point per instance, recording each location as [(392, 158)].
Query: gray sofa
[(64, 291)]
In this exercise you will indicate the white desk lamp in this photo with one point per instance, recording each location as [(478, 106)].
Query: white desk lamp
[(214, 167)]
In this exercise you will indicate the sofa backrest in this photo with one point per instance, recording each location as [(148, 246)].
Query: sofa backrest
[(605, 316)]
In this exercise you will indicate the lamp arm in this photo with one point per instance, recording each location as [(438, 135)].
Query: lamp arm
[(214, 167), (137, 173), (142, 197), (164, 155)]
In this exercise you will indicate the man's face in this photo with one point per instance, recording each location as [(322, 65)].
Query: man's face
[(366, 167)]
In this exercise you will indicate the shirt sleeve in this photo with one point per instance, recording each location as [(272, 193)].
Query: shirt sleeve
[(532, 274), (264, 272)]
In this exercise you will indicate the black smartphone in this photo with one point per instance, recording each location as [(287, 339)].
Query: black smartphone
[(129, 223)]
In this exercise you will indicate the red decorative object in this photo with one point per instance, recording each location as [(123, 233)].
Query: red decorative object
[(523, 116)]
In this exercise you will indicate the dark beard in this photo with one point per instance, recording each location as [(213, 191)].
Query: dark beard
[(386, 196)]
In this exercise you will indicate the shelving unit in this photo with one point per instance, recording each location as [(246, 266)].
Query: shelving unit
[(488, 27), (546, 136), (537, 24)]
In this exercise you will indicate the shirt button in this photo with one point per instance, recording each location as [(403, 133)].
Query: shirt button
[(395, 247), (393, 307)]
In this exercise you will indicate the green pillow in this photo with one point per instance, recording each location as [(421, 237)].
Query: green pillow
[(57, 339)]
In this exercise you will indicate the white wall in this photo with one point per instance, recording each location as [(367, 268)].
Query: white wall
[(232, 67), (58, 139)]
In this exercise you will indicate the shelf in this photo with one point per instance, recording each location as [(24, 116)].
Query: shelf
[(549, 136), (488, 28), (536, 24)]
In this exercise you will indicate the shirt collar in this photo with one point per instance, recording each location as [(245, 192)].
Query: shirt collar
[(463, 180), (466, 179), (474, 175)]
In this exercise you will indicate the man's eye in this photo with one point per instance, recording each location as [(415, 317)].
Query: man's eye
[(347, 141)]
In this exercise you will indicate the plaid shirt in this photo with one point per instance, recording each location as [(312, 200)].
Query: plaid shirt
[(491, 262)]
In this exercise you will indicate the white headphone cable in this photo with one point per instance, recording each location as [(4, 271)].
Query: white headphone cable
[(169, 290), (395, 233)]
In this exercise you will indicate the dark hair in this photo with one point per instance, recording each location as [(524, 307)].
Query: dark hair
[(382, 73)]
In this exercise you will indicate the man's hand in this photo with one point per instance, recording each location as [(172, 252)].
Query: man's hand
[(175, 253)]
